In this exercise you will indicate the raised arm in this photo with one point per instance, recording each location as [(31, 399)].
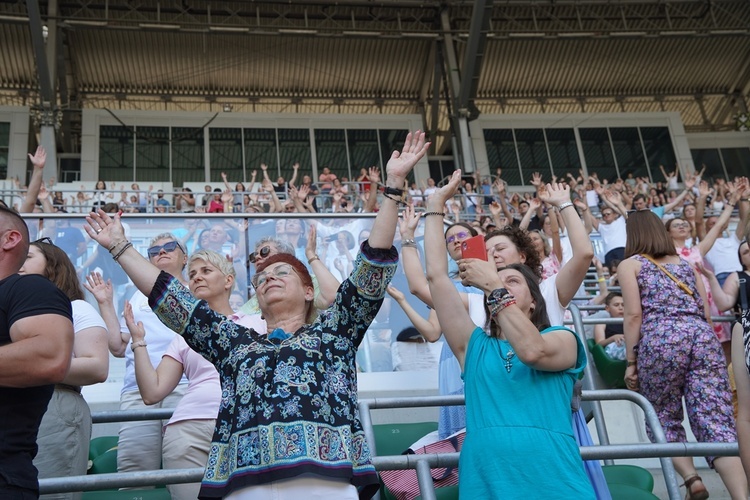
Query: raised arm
[(555, 228), (415, 277), (428, 328), (327, 282), (38, 160), (589, 221), (724, 297), (689, 184), (372, 199), (452, 315), (500, 186), (743, 186), (153, 384), (534, 205), (117, 340), (706, 243), (574, 271), (398, 167)]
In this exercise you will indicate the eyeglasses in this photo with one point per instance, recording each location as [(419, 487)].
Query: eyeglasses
[(607, 214), (46, 240), (680, 225), (461, 235), (276, 272), (168, 247)]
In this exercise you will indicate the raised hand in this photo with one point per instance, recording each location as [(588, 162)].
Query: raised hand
[(689, 181), (495, 208), (374, 174), (296, 166), (263, 167), (137, 332), (536, 179), (408, 222), (39, 158), (554, 193), (534, 204), (394, 292), (224, 176), (226, 196), (43, 193), (436, 202), (311, 248), (302, 192), (99, 288), (703, 189), (401, 163), (104, 229)]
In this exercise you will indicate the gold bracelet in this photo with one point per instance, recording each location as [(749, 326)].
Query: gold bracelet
[(313, 259)]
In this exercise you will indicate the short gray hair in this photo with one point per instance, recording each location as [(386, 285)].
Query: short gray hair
[(215, 259), (283, 246), (166, 236)]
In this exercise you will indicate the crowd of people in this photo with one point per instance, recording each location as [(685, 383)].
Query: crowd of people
[(265, 390)]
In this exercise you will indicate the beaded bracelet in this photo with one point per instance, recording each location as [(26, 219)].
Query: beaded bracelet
[(136, 345), (496, 302), (441, 214)]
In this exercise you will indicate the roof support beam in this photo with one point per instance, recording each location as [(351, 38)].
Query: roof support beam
[(474, 55), (437, 78), (45, 54)]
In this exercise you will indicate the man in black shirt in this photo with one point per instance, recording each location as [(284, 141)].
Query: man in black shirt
[(36, 344)]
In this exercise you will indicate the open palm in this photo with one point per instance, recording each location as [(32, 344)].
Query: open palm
[(401, 163)]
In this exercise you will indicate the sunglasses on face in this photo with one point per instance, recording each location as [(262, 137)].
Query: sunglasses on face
[(168, 247), (277, 272), (454, 237), (260, 254)]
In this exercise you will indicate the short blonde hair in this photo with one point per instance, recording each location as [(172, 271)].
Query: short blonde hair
[(215, 259)]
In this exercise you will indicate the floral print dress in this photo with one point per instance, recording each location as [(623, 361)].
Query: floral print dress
[(288, 407)]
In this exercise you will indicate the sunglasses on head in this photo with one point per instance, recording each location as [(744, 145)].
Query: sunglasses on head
[(46, 240), (168, 247), (461, 235)]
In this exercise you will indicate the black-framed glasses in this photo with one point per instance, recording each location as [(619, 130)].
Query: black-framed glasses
[(277, 272), (46, 240), (168, 247)]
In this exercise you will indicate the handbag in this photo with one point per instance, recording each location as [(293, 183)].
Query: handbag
[(680, 283), (403, 484)]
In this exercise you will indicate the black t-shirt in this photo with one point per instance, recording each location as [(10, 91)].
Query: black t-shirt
[(22, 409)]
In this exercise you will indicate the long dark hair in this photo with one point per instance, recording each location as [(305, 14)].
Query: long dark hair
[(539, 316), (60, 270)]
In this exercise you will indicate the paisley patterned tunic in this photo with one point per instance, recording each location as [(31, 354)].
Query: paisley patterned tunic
[(288, 407)]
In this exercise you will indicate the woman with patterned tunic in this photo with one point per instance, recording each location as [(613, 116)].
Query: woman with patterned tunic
[(288, 425)]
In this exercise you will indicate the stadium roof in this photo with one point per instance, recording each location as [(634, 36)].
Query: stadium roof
[(442, 59)]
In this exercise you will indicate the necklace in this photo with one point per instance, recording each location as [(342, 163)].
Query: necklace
[(508, 358)]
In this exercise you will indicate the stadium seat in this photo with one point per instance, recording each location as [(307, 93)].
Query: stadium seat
[(106, 463), (101, 444), (630, 475), (611, 370), (156, 494), (627, 492), (394, 439)]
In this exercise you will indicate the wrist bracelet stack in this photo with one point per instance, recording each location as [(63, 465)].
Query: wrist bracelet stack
[(390, 192), (119, 248), (498, 300)]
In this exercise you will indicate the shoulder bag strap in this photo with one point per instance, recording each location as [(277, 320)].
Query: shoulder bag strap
[(742, 277), (682, 285)]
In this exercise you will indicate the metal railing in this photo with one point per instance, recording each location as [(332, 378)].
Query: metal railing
[(422, 463)]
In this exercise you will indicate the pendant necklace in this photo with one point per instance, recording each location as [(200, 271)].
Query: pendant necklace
[(509, 359)]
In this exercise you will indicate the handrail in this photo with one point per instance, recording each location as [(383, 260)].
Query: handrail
[(661, 449)]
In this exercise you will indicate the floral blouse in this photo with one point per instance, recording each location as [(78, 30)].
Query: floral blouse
[(288, 407)]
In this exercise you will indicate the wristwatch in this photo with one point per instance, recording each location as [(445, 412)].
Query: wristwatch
[(498, 294)]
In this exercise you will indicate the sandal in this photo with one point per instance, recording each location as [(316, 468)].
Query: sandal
[(699, 492)]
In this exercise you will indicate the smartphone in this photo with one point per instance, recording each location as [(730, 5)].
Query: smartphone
[(473, 248)]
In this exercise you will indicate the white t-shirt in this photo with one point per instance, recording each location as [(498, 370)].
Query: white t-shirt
[(158, 337), (723, 255), (203, 396), (613, 234), (85, 316)]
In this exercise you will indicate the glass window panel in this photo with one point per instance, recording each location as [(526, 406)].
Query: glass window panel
[(391, 140), (116, 153), (152, 154), (563, 151), (501, 153), (330, 148), (598, 152), (260, 147), (628, 151), (533, 153), (188, 163), (710, 158), (363, 150), (225, 153), (294, 146), (4, 135), (736, 161), (659, 151)]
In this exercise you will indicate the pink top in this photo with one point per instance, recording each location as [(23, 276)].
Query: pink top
[(254, 321), (201, 401)]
